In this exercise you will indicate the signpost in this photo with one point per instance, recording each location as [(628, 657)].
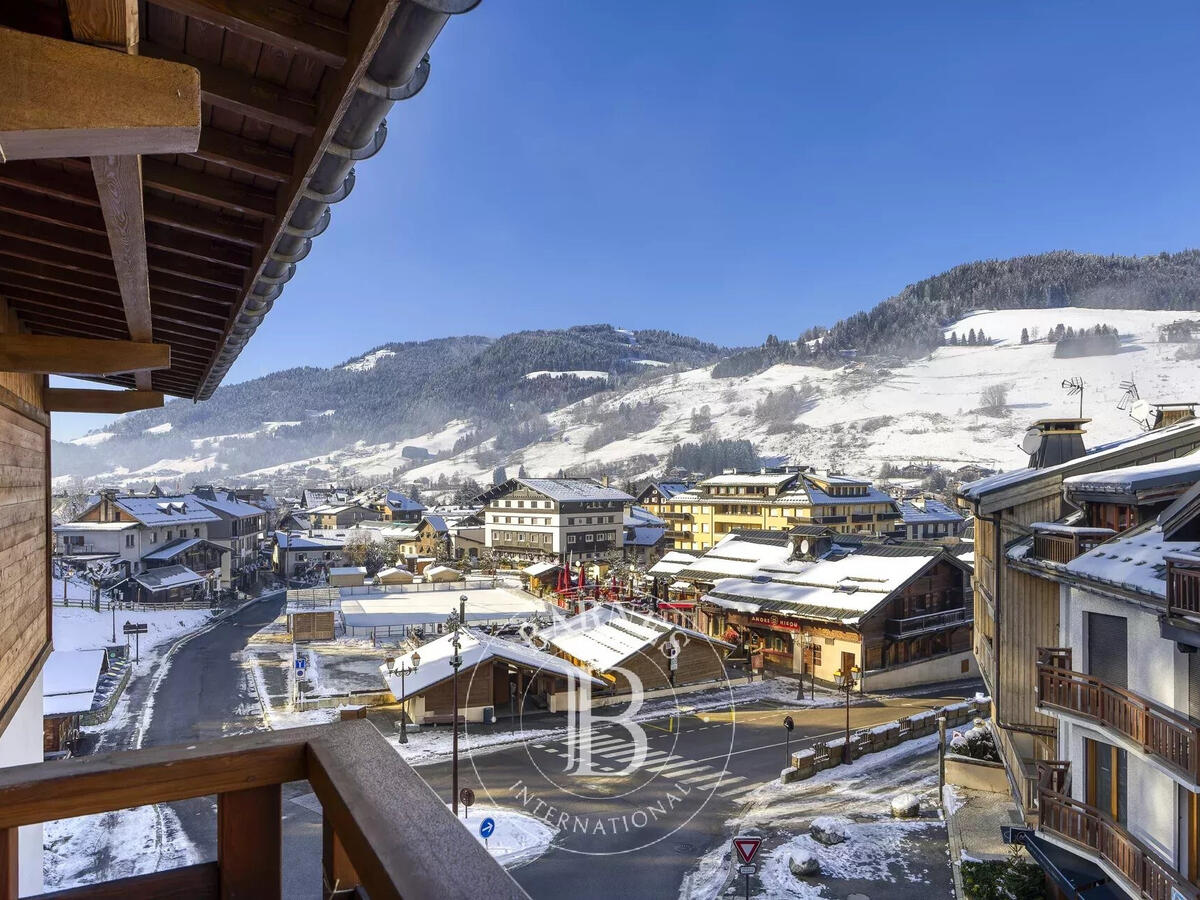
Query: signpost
[(787, 741), (136, 629), (745, 848), (486, 829), (467, 797)]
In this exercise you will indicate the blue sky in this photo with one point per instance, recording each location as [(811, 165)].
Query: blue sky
[(728, 170)]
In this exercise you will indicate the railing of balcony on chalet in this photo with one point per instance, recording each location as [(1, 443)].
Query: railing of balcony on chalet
[(1183, 585), (1085, 826), (1171, 737), (1063, 547), (933, 621), (386, 834)]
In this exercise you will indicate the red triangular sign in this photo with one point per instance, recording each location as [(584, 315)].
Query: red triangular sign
[(746, 848)]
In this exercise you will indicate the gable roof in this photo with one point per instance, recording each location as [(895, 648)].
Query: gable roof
[(180, 509), (933, 511), (167, 577), (230, 505), (69, 681), (604, 635), (176, 547), (399, 502), (564, 490)]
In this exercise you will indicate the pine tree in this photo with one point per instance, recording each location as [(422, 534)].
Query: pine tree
[(954, 339), (971, 337), (1024, 335)]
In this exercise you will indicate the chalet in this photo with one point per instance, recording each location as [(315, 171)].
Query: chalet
[(631, 651), (436, 573), (554, 519), (167, 168), (394, 575), (347, 576), (306, 556), (69, 684), (169, 586), (645, 537), (1122, 680), (340, 515), (294, 520), (498, 678), (817, 601), (926, 519), (1017, 612), (311, 498), (433, 536), (395, 506), (776, 499), (239, 529), (272, 509)]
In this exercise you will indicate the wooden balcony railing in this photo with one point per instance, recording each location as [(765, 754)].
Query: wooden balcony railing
[(1183, 587), (1062, 548), (1146, 873), (1170, 737), (934, 621), (385, 832)]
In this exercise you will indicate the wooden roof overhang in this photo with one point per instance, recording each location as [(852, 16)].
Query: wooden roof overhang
[(129, 215)]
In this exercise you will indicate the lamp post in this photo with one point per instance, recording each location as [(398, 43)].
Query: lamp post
[(847, 682), (455, 621), (397, 667)]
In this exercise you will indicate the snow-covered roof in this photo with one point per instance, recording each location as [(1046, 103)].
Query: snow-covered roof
[(475, 647), (437, 523), (391, 572), (929, 511), (71, 527), (173, 549), (400, 502), (673, 562), (540, 568), (434, 571), (750, 479), (644, 535), (871, 495), (294, 541), (669, 489), (1093, 459), (639, 515), (231, 506), (1182, 471), (604, 636), (167, 510), (69, 681), (738, 556), (347, 570), (165, 577), (1135, 561), (402, 607), (573, 489)]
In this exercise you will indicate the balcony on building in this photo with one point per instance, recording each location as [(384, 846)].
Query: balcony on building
[(1165, 737), (1056, 543), (1087, 831), (926, 623)]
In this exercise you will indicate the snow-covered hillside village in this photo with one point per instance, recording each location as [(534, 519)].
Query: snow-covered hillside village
[(457, 449)]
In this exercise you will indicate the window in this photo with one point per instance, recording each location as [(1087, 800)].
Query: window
[(815, 653), (129, 540), (168, 534), (1107, 648), (521, 538), (570, 538), (1107, 779), (154, 537), (588, 538), (195, 532)]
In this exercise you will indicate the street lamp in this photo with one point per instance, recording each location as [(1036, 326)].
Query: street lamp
[(397, 667), (847, 681), (455, 621)]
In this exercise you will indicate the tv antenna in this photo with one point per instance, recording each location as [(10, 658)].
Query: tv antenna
[(1073, 386), (1139, 410), (1130, 395)]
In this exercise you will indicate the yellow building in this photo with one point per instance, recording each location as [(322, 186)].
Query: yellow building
[(776, 500)]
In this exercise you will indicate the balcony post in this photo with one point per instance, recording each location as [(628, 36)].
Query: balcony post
[(249, 842), (8, 863), (338, 871)]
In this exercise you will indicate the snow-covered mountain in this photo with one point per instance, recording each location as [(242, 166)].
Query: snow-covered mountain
[(855, 416)]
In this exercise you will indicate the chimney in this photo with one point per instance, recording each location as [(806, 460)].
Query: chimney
[(604, 480), (1053, 441)]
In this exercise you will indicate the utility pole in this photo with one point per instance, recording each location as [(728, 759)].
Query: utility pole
[(456, 620)]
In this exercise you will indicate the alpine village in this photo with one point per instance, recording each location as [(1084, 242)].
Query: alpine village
[(586, 612)]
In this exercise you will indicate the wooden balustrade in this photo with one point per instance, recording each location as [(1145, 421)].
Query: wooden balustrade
[(1183, 589), (1143, 870), (934, 621), (1062, 548), (1172, 738), (385, 831)]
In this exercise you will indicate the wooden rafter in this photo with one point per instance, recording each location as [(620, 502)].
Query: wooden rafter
[(260, 100), (245, 156), (93, 400), (46, 355), (64, 99), (193, 185), (275, 23)]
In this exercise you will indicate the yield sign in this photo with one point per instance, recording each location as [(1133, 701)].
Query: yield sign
[(746, 847)]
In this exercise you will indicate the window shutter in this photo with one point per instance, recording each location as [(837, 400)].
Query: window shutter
[(1108, 650)]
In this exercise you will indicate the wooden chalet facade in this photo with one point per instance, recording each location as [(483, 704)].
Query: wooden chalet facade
[(1017, 612), (554, 519), (167, 164)]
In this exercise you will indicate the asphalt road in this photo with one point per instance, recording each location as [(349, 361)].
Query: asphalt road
[(630, 826)]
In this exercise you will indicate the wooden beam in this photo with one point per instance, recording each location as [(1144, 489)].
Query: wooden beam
[(104, 23), (184, 182), (250, 842), (195, 882), (119, 186), (227, 149), (275, 23), (263, 101), (45, 355), (66, 99), (98, 401), (9, 860)]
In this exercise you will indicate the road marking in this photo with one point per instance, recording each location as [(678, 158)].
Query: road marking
[(679, 772)]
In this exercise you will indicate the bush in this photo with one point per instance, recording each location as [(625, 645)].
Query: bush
[(993, 400), (1013, 879)]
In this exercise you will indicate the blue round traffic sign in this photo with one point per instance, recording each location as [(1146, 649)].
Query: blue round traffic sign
[(487, 827)]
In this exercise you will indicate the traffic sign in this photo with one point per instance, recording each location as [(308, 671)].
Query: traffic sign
[(746, 847), (138, 628), (466, 797), (747, 870), (487, 828), (788, 723)]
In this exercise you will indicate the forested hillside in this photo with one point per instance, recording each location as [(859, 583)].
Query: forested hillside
[(911, 323)]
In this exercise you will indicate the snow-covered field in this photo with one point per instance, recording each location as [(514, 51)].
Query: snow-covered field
[(860, 415), (518, 838)]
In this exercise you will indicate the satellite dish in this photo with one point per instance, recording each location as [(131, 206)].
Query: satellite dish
[(1031, 441), (804, 546), (1142, 411)]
